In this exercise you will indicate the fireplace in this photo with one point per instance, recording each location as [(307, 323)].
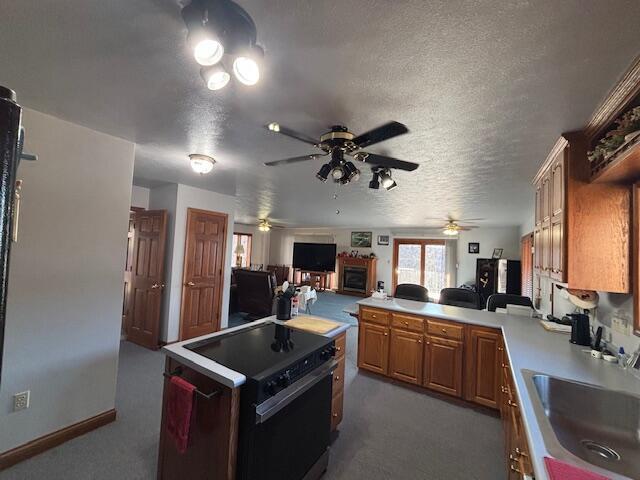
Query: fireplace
[(354, 279), (356, 275)]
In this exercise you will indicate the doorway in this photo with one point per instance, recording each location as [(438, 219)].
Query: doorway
[(421, 262), (144, 276), (203, 274)]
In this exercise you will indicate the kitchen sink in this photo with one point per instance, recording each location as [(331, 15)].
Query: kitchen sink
[(599, 426)]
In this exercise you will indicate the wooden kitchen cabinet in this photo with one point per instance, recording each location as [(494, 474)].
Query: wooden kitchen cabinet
[(482, 366), (582, 229), (405, 356), (373, 348), (443, 360)]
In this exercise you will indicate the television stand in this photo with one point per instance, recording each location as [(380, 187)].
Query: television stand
[(319, 281)]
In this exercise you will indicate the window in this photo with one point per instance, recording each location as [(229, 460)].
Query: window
[(423, 262), (241, 257)]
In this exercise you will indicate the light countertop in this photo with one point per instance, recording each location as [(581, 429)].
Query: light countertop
[(530, 347), (216, 371)]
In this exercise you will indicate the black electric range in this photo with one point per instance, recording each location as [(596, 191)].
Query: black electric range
[(285, 404)]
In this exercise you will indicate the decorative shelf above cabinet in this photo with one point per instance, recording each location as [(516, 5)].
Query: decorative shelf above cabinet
[(622, 167)]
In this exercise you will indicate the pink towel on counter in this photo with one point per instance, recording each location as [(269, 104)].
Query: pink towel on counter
[(179, 409), (563, 471)]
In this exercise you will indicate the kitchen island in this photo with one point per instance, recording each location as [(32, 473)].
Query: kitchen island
[(223, 407), (475, 355)]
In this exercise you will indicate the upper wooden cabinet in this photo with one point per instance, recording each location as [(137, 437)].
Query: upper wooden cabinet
[(582, 233)]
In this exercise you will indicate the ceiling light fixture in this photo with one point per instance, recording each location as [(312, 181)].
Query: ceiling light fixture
[(386, 181), (274, 127), (219, 29), (375, 181), (246, 67), (352, 174), (324, 172), (216, 77), (450, 230), (264, 225), (201, 163)]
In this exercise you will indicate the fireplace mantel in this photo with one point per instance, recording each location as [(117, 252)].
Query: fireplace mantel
[(368, 265)]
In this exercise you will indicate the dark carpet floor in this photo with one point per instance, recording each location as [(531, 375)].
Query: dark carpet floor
[(389, 431)]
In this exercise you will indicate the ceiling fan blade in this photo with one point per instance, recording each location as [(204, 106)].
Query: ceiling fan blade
[(288, 132), (380, 134), (286, 161), (388, 162)]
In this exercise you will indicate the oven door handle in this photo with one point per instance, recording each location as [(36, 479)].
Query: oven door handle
[(270, 407)]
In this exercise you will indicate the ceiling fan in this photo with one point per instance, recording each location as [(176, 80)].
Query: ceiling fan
[(452, 226), (338, 142)]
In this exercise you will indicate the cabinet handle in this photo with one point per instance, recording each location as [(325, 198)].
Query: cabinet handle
[(505, 390), (190, 284), (386, 334), (512, 404), (374, 316), (406, 323), (16, 211), (428, 343), (520, 453), (335, 415), (500, 349), (338, 349), (419, 341), (514, 469), (337, 378)]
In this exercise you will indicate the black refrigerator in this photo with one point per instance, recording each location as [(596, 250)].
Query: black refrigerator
[(10, 152), (497, 276)]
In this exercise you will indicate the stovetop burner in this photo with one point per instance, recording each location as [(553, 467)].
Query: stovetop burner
[(260, 351)]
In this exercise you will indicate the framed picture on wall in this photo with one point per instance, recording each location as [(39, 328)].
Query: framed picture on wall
[(361, 239), (383, 239), (497, 253), (474, 247)]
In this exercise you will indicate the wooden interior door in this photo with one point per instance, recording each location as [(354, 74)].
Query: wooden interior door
[(147, 277), (128, 269), (203, 277)]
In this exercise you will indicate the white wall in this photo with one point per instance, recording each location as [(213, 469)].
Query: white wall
[(507, 238), (65, 287), (176, 199), (260, 243), (166, 198), (140, 197)]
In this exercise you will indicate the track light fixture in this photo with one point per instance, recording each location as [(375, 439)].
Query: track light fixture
[(216, 77), (375, 181), (221, 31), (324, 172)]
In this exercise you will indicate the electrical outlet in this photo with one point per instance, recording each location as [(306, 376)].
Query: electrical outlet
[(620, 324), (21, 400)]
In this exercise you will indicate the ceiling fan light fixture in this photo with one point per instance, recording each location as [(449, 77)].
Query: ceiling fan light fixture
[(337, 173), (450, 230), (375, 181), (323, 173), (386, 181), (201, 164), (274, 127), (351, 173), (264, 225), (207, 47)]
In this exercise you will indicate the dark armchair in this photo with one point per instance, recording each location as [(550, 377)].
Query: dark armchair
[(256, 292), (501, 300), (411, 291), (460, 297)]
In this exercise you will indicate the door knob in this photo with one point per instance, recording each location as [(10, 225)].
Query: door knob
[(190, 284)]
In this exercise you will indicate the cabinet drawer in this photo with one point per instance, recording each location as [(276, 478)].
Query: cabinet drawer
[(338, 378), (336, 411), (372, 315), (407, 322), (445, 329), (341, 345)]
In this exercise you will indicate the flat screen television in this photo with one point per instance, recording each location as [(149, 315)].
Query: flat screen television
[(314, 257)]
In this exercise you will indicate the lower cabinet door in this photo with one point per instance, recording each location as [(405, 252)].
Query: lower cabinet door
[(483, 366), (405, 356), (373, 348), (443, 365)]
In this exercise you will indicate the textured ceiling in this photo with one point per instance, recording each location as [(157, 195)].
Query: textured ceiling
[(485, 88)]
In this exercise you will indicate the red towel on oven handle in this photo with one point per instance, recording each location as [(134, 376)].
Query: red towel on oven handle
[(179, 410), (563, 471)]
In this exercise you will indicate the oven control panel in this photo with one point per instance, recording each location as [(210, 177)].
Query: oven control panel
[(295, 372)]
